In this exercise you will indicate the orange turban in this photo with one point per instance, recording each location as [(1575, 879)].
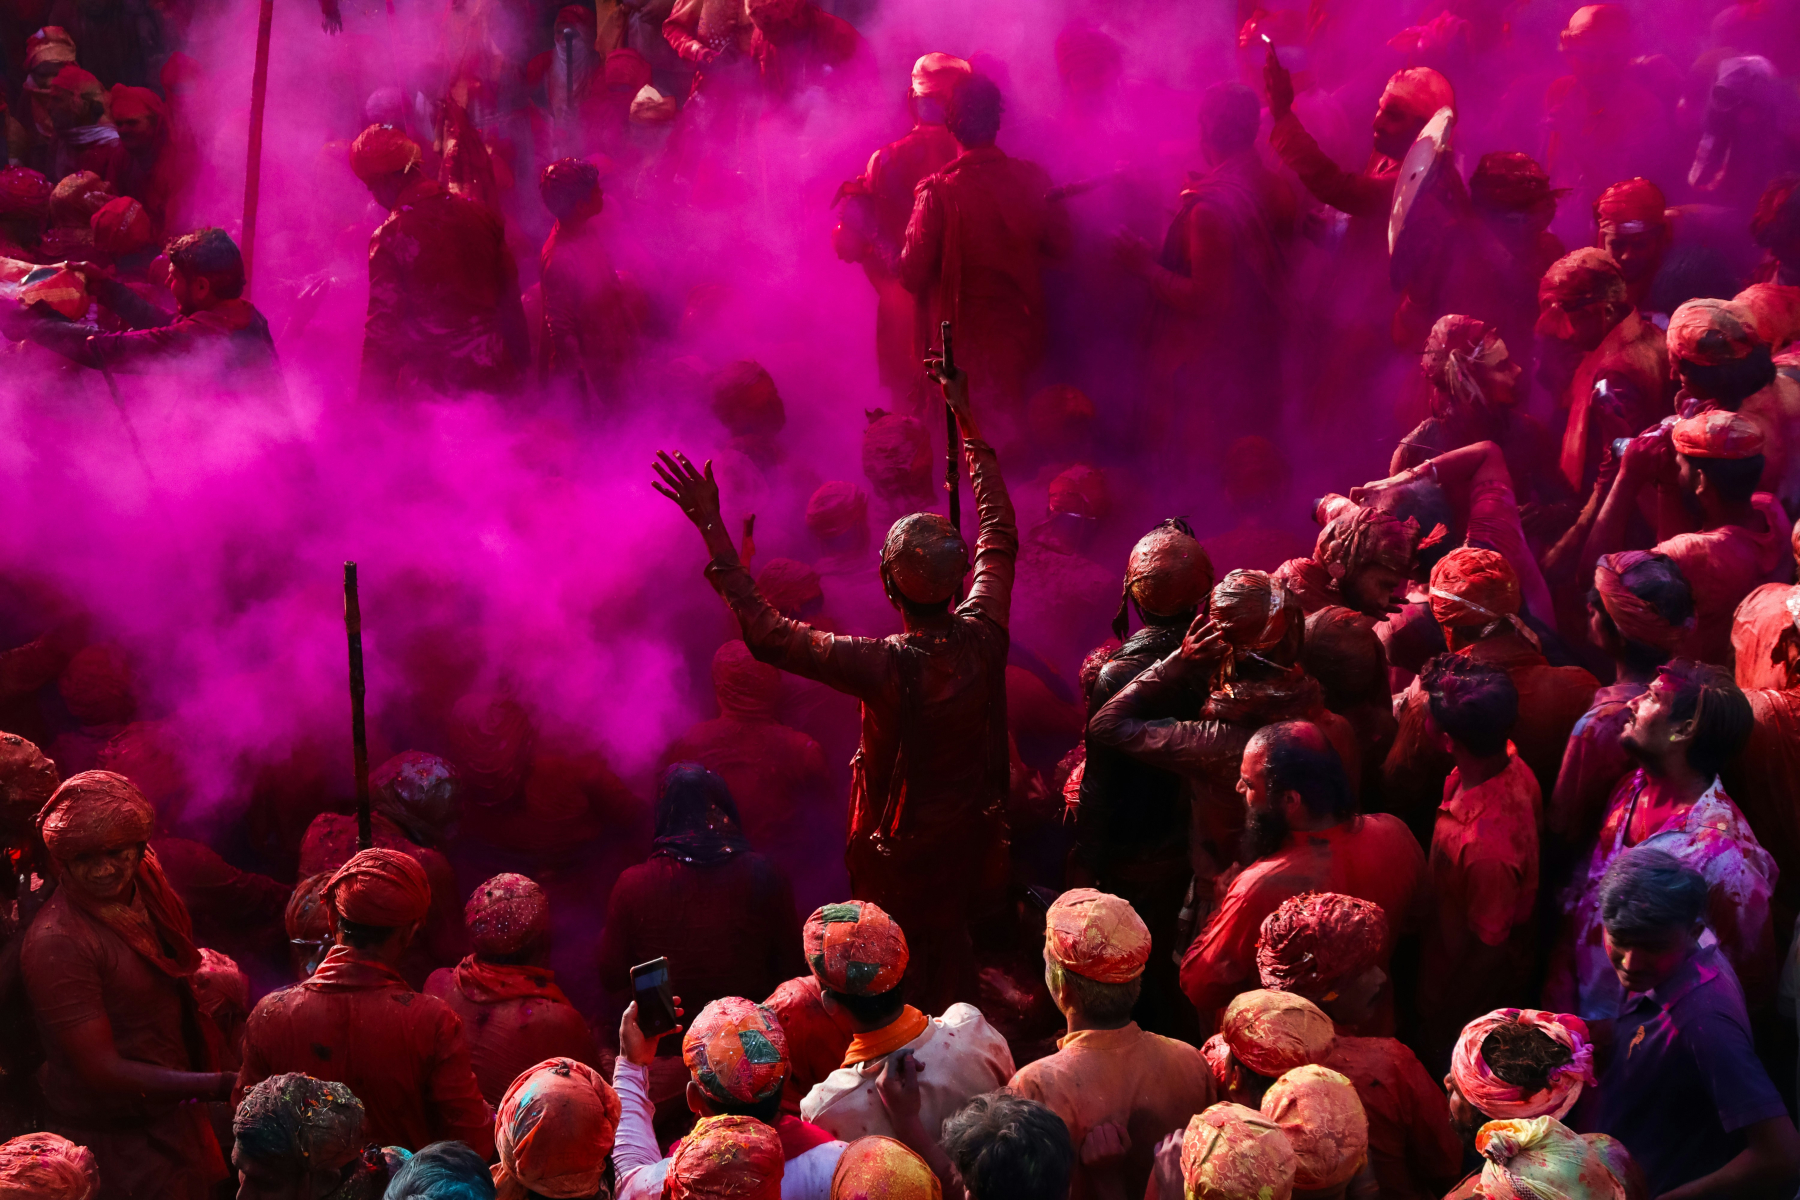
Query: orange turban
[(1230, 1152), (936, 75), (835, 509), (1717, 434), (1419, 92), (1319, 939), (121, 227), (1319, 1111), (855, 948), (1773, 310), (1587, 274), (306, 917), (95, 811), (1493, 1096), (880, 1168), (51, 44), (1168, 571), (1712, 332), (382, 150), (27, 781), (726, 1158), (736, 1051), (1273, 1032), (128, 101), (1632, 202), (1474, 587), (44, 1166), (509, 914), (383, 888), (1636, 618), (553, 1131), (1097, 936)]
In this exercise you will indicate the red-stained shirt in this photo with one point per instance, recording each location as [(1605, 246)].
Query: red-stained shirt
[(1756, 627), (1413, 1149), (1764, 781), (1723, 566), (356, 1022), (507, 1037), (1593, 763)]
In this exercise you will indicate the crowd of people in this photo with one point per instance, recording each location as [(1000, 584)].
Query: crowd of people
[(1440, 841)]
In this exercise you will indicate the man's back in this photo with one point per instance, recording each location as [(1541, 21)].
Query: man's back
[(513, 1018), (962, 1056)]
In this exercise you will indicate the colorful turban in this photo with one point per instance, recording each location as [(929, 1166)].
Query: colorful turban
[(1631, 206), (1717, 434), (1605, 27), (1098, 936), (896, 453), (880, 1168), (1773, 310), (1167, 572), (509, 914), (925, 558), (1471, 587), (936, 75), (1542, 1158), (744, 687), (1230, 1152), (745, 399), (835, 509), (220, 985), (24, 193), (1585, 275), (27, 781), (94, 811), (1317, 941), (1273, 1032), (307, 918), (1081, 490), (1418, 92), (382, 150), (122, 227), (1494, 1096), (855, 948), (726, 1158), (553, 1132), (1324, 1120), (75, 199), (736, 1051), (1510, 181), (1636, 618), (128, 102), (1454, 347), (492, 740), (1361, 537), (383, 888), (44, 1166), (790, 586), (310, 1123), (1617, 1159), (51, 44), (1712, 332), (419, 792)]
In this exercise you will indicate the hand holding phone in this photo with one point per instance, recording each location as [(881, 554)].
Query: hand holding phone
[(653, 1012)]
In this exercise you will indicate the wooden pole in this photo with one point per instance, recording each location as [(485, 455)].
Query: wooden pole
[(259, 91), (359, 735), (952, 442)]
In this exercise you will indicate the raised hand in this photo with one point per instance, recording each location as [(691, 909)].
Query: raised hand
[(696, 492)]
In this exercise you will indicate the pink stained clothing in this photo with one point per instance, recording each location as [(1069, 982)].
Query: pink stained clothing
[(1723, 566), (1765, 779), (1713, 838), (1412, 1148), (590, 333), (507, 1037), (1756, 627), (1633, 353), (1372, 857), (1592, 766)]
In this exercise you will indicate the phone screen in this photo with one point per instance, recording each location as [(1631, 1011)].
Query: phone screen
[(655, 998)]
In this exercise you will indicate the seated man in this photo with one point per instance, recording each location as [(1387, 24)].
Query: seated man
[(296, 1128)]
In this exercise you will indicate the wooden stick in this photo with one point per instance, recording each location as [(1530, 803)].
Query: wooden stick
[(952, 441), (259, 92), (359, 734)]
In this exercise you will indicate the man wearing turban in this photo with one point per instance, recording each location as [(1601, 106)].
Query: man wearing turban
[(357, 1022), (1631, 223), (1722, 357), (589, 337), (294, 1128), (553, 1132)]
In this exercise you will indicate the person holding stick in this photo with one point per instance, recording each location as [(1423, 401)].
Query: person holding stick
[(927, 836)]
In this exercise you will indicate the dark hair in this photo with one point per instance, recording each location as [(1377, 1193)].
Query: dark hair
[(878, 1009), (1301, 759), (1725, 719), (210, 254), (1229, 114), (358, 936), (567, 183), (1658, 582), (443, 1171), (1524, 1055), (1735, 479), (1429, 505), (1474, 702), (767, 1110), (1006, 1147), (973, 114), (1734, 380), (1105, 1003), (1648, 893)]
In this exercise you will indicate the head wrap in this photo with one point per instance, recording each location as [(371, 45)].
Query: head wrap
[(789, 585), (51, 44), (1471, 587), (383, 888), (27, 781), (180, 75), (307, 917), (880, 1168), (696, 819), (574, 14), (1098, 936), (855, 948), (1258, 615), (835, 509), (1318, 941), (1080, 490), (1510, 181), (1712, 332), (121, 227), (1418, 92), (46, 1166), (745, 688), (220, 986), (736, 1051), (382, 150), (318, 1124), (1255, 470), (1360, 537), (925, 558), (509, 914), (1636, 618), (76, 198), (1495, 1097), (77, 82), (1773, 310), (1456, 344), (1605, 27), (1717, 434), (726, 1158), (1631, 206), (1167, 573), (896, 454), (92, 812), (553, 1132), (936, 75), (1230, 1152), (1273, 1032), (1588, 274), (492, 741), (1616, 1158), (1319, 1111), (1539, 1158), (745, 399), (419, 792), (128, 101), (24, 193), (627, 70)]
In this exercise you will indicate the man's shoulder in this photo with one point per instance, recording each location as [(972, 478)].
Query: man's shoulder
[(1382, 828), (60, 928)]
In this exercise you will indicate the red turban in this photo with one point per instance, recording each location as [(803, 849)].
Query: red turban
[(855, 948), (1636, 618), (1494, 1096), (1773, 310), (220, 985), (382, 150), (1712, 332), (1359, 537), (574, 14), (1632, 202), (880, 1168), (306, 918), (736, 1051), (936, 75), (744, 687), (1717, 434), (130, 102), (122, 227), (77, 82), (93, 812), (1319, 1111), (1476, 588), (1418, 92), (1455, 345), (45, 1166), (1273, 1032), (51, 44), (1605, 27), (383, 888), (1510, 181), (1098, 936), (1587, 274), (1258, 614), (1080, 490), (419, 792), (626, 69), (553, 1131), (1542, 1157), (1319, 940), (925, 558), (179, 75), (726, 1158), (790, 586), (24, 193), (896, 454), (835, 509), (492, 740), (27, 781), (509, 914), (1168, 571), (1230, 1152), (745, 399)]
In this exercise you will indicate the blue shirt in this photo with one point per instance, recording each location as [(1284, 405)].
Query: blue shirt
[(1684, 1080)]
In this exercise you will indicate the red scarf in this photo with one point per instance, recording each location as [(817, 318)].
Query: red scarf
[(490, 983), (155, 924), (346, 969)]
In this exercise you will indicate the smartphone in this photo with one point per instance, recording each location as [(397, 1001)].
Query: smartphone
[(655, 998)]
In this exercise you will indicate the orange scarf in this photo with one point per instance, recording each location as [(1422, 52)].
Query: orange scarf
[(884, 1041), (156, 924)]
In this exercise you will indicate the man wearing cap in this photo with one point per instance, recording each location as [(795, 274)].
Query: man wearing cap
[(927, 837), (876, 205), (1724, 363), (29, 129), (108, 966), (1106, 1070), (355, 1021), (444, 307), (513, 1013), (859, 954)]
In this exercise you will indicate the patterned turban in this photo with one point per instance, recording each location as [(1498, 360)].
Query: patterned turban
[(855, 948), (726, 1158), (51, 44), (1636, 618), (382, 888), (121, 227), (1494, 1096), (553, 1131), (1230, 1152), (1717, 434), (294, 1118), (1319, 940), (1319, 1111), (1271, 1033), (880, 1168), (1360, 537), (509, 914), (95, 811), (736, 1051), (1539, 1158), (1712, 332), (1097, 936), (44, 1166), (1455, 346)]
